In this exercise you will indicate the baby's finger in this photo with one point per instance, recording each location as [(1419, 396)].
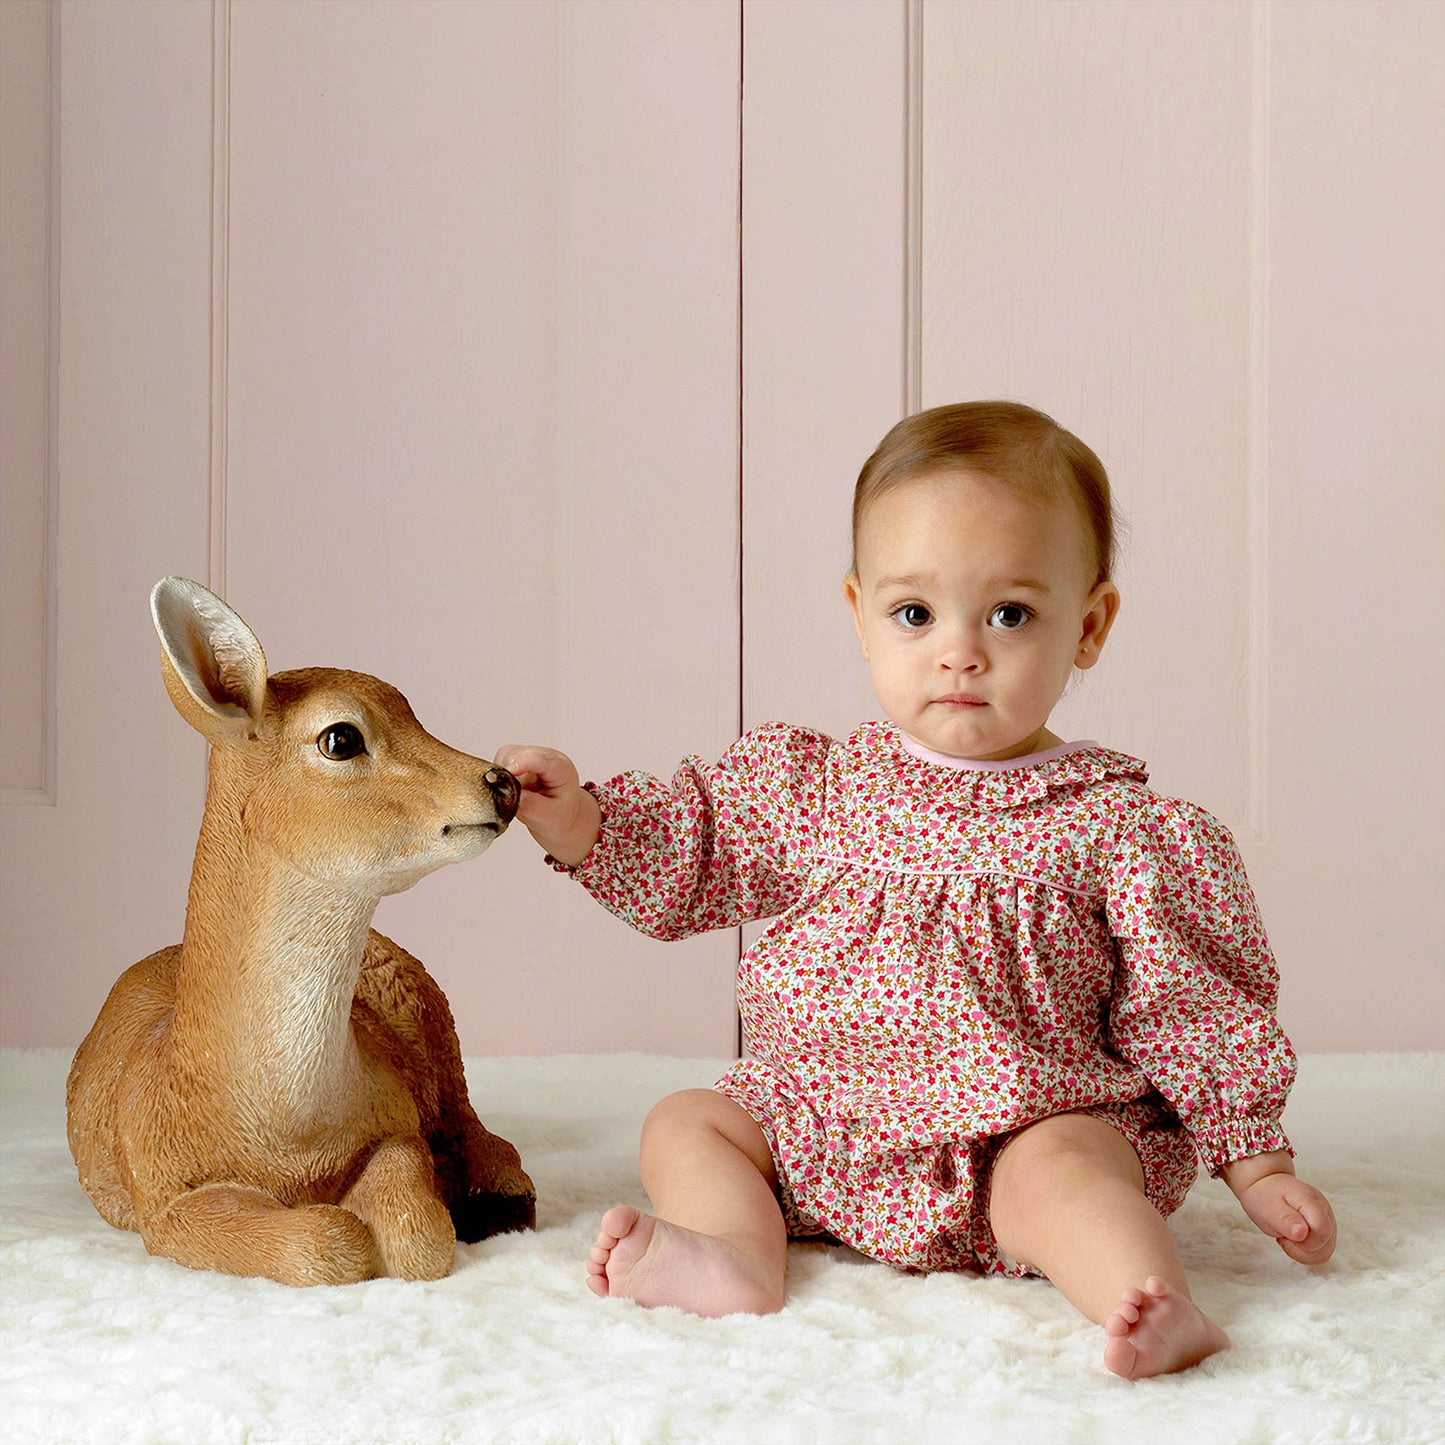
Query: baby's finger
[(1323, 1229), (517, 759), (1318, 1242), (1292, 1225), (531, 807), (535, 768), (1307, 1251)]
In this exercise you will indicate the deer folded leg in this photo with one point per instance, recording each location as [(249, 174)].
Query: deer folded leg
[(239, 1230), (397, 1196)]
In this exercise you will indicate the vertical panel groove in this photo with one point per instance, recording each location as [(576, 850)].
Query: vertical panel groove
[(913, 207), (742, 586), (220, 289), (45, 789), (1257, 679), (50, 727), (741, 480)]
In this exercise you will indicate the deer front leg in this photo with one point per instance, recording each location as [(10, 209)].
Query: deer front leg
[(498, 1196), (396, 1196), (239, 1230)]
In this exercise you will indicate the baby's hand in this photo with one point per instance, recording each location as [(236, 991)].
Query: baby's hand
[(558, 812), (1294, 1214), (542, 772)]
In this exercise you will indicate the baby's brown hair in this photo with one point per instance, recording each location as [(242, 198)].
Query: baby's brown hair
[(1010, 443)]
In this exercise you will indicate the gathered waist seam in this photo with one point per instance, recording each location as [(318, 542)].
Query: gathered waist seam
[(852, 863)]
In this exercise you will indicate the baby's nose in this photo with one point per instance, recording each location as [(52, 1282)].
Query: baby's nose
[(959, 651)]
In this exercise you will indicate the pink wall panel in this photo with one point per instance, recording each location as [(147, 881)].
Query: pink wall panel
[(1183, 231), (1355, 867), (425, 332), (483, 433), (1087, 246), (93, 876), (824, 248), (414, 330), (27, 376)]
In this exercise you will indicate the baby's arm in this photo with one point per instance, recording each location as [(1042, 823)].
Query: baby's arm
[(558, 812), (1295, 1214)]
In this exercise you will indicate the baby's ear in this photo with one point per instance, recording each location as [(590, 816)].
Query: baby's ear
[(853, 593), (1100, 610)]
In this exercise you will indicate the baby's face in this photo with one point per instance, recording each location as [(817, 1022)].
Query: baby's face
[(973, 605)]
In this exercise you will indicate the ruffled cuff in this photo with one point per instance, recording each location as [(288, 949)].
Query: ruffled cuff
[(1223, 1140)]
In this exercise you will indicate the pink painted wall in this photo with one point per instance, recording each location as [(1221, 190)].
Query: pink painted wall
[(430, 335)]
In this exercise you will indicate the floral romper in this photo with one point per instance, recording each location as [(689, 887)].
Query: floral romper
[(959, 949)]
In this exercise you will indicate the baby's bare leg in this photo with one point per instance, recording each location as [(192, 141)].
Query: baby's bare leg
[(717, 1244), (1068, 1199)]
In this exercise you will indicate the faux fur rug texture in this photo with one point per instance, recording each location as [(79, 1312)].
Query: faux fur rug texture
[(101, 1344)]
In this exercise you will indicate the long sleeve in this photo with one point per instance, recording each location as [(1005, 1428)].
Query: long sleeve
[(1196, 986), (724, 844)]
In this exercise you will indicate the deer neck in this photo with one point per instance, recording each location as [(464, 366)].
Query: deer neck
[(268, 971)]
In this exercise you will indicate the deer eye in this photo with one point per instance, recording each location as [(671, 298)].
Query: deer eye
[(341, 741)]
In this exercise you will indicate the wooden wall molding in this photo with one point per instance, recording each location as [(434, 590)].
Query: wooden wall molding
[(220, 293), (30, 767)]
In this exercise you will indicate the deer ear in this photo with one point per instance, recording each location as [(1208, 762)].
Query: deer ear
[(214, 668)]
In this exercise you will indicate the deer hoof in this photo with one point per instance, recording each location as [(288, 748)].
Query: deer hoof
[(480, 1216)]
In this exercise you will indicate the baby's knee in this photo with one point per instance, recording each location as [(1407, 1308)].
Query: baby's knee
[(682, 1110), (677, 1116), (1057, 1154), (691, 1113), (695, 1109)]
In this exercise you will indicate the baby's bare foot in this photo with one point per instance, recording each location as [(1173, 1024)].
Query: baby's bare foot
[(654, 1262), (1156, 1330)]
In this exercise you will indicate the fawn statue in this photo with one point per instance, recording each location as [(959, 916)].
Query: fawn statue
[(281, 1093)]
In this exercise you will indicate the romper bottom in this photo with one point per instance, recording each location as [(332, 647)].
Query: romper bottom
[(923, 1208)]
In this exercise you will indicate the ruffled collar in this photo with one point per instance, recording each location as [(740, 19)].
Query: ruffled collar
[(1016, 780), (980, 765)]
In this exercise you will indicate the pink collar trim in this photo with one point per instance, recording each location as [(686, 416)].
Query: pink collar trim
[(979, 765)]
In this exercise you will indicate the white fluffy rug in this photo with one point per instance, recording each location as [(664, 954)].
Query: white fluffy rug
[(100, 1343)]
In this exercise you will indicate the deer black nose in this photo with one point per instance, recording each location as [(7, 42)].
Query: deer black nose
[(506, 792)]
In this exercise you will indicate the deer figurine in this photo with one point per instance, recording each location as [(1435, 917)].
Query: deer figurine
[(281, 1094)]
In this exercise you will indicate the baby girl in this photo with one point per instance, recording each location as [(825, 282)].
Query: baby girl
[(1010, 993)]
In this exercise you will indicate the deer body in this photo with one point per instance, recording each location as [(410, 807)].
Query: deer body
[(282, 1093)]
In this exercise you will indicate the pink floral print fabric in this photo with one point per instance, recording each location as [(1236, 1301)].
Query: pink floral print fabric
[(958, 950)]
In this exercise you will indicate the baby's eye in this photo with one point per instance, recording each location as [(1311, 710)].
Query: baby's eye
[(912, 615), (1009, 616)]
